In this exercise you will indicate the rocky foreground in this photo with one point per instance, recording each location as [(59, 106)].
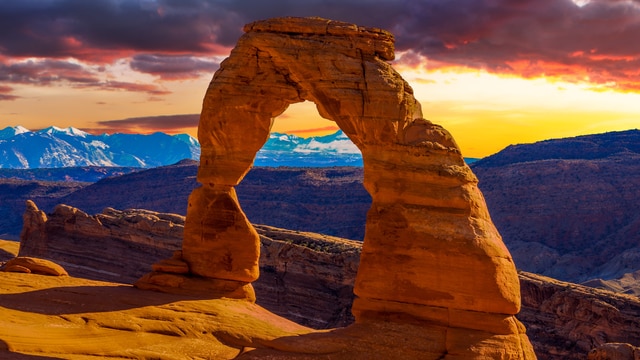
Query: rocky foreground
[(305, 277)]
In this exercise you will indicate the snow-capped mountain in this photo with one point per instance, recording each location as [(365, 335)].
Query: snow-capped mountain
[(321, 151), (55, 147), (9, 132)]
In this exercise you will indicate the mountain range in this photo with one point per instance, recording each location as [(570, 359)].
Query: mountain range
[(55, 147)]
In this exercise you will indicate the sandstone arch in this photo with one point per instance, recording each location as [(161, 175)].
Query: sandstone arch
[(430, 251)]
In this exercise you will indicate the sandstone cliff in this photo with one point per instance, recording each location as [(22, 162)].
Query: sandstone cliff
[(309, 278), (114, 245)]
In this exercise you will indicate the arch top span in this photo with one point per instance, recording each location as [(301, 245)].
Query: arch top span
[(430, 250), (340, 67)]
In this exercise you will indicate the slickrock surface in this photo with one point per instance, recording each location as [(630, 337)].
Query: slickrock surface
[(8, 250), (309, 278), (430, 250), (71, 318)]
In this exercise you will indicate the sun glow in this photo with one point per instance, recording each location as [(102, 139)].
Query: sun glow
[(487, 112)]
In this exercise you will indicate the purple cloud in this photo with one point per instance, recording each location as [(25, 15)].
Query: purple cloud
[(173, 67), (165, 37), (165, 123)]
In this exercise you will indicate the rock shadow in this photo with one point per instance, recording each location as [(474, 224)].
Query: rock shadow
[(86, 299)]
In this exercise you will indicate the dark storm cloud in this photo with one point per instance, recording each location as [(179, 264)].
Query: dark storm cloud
[(523, 37), (173, 67), (69, 28), (166, 123)]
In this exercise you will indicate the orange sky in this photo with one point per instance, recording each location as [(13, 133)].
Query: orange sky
[(519, 73)]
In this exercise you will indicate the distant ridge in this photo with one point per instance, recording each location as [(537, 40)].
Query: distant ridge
[(567, 208), (585, 147)]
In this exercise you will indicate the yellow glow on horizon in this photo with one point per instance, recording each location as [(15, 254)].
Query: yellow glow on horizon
[(486, 112)]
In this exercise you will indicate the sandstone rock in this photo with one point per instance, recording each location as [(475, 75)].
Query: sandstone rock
[(34, 265), (567, 208), (16, 268), (175, 265), (430, 251), (32, 237), (8, 250), (196, 286)]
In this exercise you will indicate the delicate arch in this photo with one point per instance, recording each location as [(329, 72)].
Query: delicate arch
[(430, 248)]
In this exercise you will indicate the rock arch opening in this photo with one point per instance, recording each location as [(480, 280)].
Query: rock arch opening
[(317, 186)]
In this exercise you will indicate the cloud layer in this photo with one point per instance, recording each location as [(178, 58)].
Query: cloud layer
[(72, 42), (165, 123)]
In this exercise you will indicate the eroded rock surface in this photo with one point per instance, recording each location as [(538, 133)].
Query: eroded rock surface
[(430, 251)]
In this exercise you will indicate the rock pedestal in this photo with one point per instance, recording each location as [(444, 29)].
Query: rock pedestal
[(430, 253)]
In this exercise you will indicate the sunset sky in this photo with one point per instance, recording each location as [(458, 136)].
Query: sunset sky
[(493, 72)]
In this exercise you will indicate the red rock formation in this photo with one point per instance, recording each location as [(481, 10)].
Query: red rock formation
[(430, 251)]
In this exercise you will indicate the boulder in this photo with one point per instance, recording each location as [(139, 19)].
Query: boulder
[(25, 264)]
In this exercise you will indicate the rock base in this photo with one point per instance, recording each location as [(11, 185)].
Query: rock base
[(185, 284)]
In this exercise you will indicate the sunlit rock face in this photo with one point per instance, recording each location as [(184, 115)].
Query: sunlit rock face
[(431, 251)]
